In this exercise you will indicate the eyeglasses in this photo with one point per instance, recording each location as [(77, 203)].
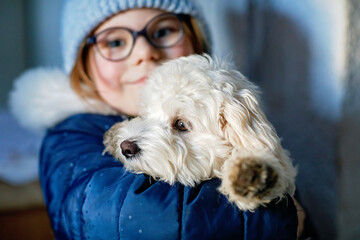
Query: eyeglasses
[(163, 31)]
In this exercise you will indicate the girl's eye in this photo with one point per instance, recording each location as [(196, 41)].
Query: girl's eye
[(180, 125), (163, 32), (115, 43)]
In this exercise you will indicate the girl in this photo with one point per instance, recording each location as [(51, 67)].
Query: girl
[(109, 49)]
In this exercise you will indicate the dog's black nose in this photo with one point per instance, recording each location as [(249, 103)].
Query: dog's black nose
[(129, 148)]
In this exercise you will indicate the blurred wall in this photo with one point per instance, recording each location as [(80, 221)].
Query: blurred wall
[(42, 33), (349, 139), (29, 38), (12, 44)]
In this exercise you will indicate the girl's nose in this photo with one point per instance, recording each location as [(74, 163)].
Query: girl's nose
[(144, 51)]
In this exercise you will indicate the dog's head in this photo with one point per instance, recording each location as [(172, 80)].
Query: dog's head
[(194, 112)]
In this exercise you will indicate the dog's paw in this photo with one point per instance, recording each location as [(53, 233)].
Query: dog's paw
[(253, 179)]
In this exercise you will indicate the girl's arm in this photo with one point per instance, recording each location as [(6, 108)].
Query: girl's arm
[(91, 196)]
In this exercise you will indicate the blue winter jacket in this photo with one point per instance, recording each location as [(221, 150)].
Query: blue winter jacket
[(91, 196)]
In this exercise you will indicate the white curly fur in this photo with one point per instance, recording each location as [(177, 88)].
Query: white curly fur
[(226, 127)]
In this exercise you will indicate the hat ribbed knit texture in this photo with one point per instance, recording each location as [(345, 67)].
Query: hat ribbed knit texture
[(80, 17)]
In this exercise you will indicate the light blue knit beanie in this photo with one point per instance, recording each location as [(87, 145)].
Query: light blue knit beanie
[(80, 17)]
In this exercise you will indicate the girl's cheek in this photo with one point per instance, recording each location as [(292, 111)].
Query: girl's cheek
[(109, 72), (184, 48)]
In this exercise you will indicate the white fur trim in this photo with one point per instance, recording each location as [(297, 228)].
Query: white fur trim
[(42, 97)]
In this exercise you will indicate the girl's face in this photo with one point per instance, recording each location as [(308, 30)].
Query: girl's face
[(119, 83)]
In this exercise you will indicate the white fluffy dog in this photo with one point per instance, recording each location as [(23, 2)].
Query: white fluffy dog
[(200, 119)]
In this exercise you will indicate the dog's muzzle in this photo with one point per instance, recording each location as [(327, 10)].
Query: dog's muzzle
[(129, 149)]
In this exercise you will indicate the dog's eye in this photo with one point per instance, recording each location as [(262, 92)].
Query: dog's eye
[(180, 125)]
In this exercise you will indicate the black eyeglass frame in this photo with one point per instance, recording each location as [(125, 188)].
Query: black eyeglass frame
[(92, 40)]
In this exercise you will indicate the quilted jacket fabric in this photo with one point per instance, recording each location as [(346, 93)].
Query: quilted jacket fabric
[(91, 196)]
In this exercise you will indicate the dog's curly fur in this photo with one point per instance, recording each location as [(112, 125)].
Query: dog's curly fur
[(201, 119)]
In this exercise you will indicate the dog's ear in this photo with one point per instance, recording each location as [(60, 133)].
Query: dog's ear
[(252, 137), (244, 124)]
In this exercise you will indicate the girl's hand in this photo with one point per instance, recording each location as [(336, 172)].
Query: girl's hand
[(301, 218)]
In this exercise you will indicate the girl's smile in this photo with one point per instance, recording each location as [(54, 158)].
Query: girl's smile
[(119, 83)]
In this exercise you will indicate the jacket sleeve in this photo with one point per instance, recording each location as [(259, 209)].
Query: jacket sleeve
[(90, 195)]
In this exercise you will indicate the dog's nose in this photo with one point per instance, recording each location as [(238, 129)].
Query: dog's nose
[(129, 148)]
